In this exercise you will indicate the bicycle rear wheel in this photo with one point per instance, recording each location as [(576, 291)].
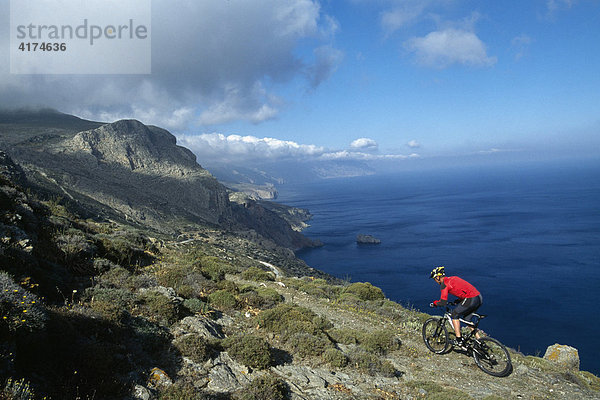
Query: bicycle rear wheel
[(435, 335), (492, 357)]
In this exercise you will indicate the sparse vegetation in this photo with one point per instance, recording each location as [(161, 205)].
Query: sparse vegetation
[(256, 274), (88, 308), (250, 350), (265, 387)]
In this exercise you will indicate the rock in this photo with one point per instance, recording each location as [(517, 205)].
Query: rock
[(563, 355), (141, 393), (197, 324), (367, 239), (227, 375), (159, 378)]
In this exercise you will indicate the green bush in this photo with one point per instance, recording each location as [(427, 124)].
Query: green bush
[(194, 347), (222, 300), (266, 387), (158, 308), (20, 310), (256, 274), (345, 335), (365, 291), (115, 277), (250, 350), (122, 298), (335, 358), (214, 268), (307, 345), (187, 281), (321, 288), (380, 342), (287, 319), (371, 364), (260, 297), (196, 306)]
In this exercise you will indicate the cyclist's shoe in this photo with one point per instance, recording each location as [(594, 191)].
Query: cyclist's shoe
[(460, 343)]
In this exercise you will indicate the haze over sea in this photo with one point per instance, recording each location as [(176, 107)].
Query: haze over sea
[(527, 236)]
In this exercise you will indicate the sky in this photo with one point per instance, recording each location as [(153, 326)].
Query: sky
[(388, 80)]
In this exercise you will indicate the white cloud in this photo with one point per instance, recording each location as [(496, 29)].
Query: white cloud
[(399, 17), (413, 144), (364, 144), (355, 155), (223, 60), (450, 46), (239, 149)]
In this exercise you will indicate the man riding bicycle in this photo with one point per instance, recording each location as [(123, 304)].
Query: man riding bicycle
[(469, 298)]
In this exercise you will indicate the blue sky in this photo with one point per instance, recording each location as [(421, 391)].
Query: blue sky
[(308, 78)]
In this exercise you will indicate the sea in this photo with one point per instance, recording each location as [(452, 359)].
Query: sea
[(527, 236)]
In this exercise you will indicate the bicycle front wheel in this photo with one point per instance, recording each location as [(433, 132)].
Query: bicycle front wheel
[(435, 335), (492, 357)]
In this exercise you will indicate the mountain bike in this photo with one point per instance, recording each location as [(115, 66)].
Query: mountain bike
[(490, 355)]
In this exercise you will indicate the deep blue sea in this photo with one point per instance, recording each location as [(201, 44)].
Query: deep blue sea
[(527, 236)]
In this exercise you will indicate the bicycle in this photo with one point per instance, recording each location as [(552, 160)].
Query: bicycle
[(490, 355)]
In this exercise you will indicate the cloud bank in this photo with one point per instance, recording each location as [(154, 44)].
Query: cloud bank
[(241, 149), (212, 62)]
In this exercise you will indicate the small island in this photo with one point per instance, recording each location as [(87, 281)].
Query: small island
[(367, 239)]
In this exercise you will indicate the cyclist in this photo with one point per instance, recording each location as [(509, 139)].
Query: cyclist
[(469, 298)]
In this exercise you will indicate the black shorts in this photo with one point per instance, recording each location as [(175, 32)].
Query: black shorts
[(467, 307)]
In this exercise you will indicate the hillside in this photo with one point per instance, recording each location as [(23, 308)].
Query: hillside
[(99, 308)]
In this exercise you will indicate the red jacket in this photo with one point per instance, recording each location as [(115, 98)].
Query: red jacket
[(457, 287)]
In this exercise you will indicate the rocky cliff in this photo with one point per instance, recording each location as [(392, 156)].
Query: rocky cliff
[(132, 172)]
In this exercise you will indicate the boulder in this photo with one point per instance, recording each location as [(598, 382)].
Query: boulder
[(563, 355), (367, 239)]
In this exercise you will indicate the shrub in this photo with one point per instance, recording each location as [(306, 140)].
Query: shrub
[(250, 350), (371, 364), (335, 358), (307, 345), (345, 336), (102, 265), (121, 298), (222, 300), (116, 277), (287, 319), (159, 308), (196, 306), (380, 342), (194, 347), (21, 310), (178, 391), (321, 288), (74, 246), (365, 291), (187, 280), (261, 297), (350, 300), (17, 390), (266, 387), (256, 274), (214, 268)]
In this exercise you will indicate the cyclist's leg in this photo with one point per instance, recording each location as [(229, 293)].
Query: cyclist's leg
[(465, 309)]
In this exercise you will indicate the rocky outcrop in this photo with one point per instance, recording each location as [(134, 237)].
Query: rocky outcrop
[(137, 174), (367, 239), (563, 356)]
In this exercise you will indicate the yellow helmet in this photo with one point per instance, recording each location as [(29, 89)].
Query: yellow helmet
[(437, 271)]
